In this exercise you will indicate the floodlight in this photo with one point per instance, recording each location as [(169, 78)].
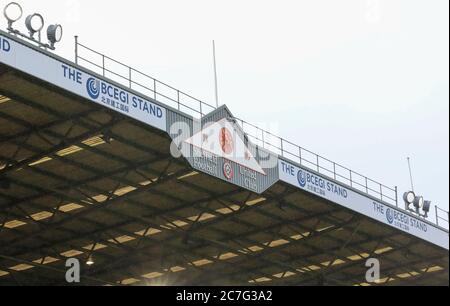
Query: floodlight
[(418, 202), (409, 197), (54, 34), (34, 23), (12, 12), (90, 261), (426, 207)]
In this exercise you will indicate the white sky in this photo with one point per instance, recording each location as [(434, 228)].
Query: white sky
[(362, 82)]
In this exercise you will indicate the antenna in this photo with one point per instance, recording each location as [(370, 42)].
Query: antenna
[(215, 74), (410, 174)]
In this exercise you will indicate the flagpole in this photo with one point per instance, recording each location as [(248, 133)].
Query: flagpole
[(215, 75)]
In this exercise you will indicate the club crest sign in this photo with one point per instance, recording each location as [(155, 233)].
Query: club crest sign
[(222, 140), (219, 148)]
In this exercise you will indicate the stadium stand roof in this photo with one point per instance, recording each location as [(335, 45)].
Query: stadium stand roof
[(81, 179)]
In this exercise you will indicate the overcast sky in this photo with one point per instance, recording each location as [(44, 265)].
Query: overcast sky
[(362, 82)]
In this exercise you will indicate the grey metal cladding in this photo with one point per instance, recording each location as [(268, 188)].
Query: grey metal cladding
[(216, 165)]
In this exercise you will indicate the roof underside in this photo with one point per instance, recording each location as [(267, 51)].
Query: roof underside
[(78, 180)]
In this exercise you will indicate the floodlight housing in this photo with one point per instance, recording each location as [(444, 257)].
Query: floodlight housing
[(34, 23), (12, 12), (426, 206), (418, 202), (409, 197), (54, 34)]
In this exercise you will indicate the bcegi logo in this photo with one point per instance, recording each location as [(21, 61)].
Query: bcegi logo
[(5, 46), (390, 216), (301, 176), (93, 88), (110, 94)]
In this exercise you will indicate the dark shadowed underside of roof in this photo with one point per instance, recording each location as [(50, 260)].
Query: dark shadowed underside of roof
[(78, 180)]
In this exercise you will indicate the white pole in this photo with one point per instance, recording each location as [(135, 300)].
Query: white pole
[(410, 174), (215, 75)]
